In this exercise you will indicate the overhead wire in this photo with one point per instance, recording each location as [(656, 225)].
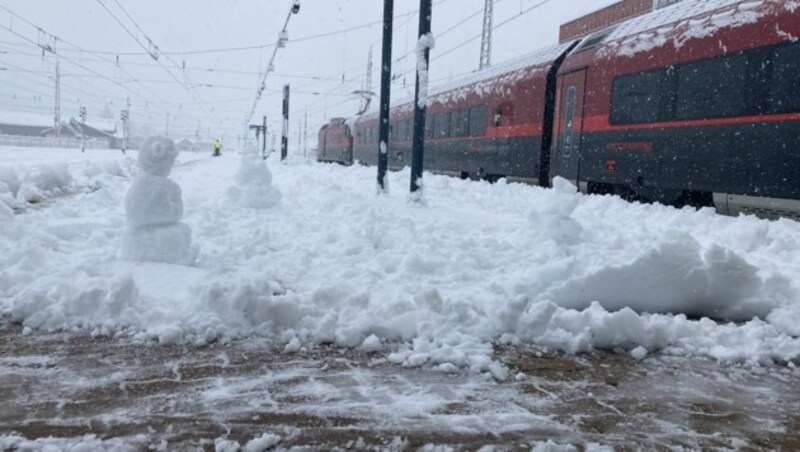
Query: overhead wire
[(153, 54), (59, 53)]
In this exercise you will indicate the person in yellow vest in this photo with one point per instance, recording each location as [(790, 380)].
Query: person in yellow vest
[(217, 147)]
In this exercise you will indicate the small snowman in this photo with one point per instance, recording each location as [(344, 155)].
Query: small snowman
[(154, 209), (254, 183)]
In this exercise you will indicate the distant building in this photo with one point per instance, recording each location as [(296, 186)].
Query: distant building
[(23, 124), (185, 145), (609, 16)]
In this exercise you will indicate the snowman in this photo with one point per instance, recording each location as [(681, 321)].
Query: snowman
[(154, 209), (253, 186)]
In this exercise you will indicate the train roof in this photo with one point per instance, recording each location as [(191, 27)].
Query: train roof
[(677, 23), (538, 58), (482, 81)]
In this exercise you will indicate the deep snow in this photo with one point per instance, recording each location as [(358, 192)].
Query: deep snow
[(333, 262)]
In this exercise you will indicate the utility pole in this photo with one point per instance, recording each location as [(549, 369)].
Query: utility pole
[(421, 93), (299, 134), (305, 132), (126, 131), (283, 37), (57, 107), (285, 137), (386, 87), (82, 113), (486, 38), (264, 138), (368, 85), (124, 116)]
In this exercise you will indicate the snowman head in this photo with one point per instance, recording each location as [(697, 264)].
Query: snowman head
[(157, 156)]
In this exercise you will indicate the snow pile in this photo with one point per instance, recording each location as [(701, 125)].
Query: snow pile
[(27, 178), (154, 208), (253, 187), (432, 286)]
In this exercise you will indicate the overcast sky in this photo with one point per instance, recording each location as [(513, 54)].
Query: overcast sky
[(322, 71)]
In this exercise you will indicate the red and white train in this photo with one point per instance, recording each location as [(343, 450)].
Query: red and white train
[(694, 104)]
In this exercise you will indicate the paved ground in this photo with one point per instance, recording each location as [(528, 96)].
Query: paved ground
[(68, 385)]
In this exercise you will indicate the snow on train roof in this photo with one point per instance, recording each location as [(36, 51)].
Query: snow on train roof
[(484, 82), (513, 66), (680, 22)]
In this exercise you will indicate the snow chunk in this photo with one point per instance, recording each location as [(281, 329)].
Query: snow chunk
[(639, 353), (372, 344), (262, 443)]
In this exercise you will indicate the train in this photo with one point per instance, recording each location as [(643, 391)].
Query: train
[(695, 104)]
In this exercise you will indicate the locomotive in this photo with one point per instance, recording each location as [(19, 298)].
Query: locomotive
[(694, 104)]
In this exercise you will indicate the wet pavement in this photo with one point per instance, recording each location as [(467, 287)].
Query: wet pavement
[(69, 385)]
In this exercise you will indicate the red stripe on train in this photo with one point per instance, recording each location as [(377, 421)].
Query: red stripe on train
[(601, 123)]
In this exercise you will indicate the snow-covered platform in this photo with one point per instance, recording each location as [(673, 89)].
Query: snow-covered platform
[(333, 263)]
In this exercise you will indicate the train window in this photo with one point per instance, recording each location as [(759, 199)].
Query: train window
[(712, 88), (409, 128), (786, 80), (458, 125), (441, 125), (464, 130), (569, 116), (429, 126), (759, 81), (455, 123), (644, 97), (477, 121), (498, 117)]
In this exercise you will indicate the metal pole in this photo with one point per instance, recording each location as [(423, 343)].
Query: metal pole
[(299, 134), (126, 132), (285, 138), (83, 128), (57, 107), (486, 39), (124, 116), (386, 86), (305, 133), (421, 92), (264, 138)]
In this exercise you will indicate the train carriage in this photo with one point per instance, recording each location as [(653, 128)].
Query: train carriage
[(335, 142), (495, 123), (698, 103)]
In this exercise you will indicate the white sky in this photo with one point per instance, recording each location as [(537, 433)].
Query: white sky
[(178, 26)]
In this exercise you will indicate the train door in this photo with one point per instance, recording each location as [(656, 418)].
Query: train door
[(572, 88)]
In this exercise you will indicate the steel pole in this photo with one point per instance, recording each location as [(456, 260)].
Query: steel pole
[(420, 98), (285, 138), (264, 138), (386, 93)]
